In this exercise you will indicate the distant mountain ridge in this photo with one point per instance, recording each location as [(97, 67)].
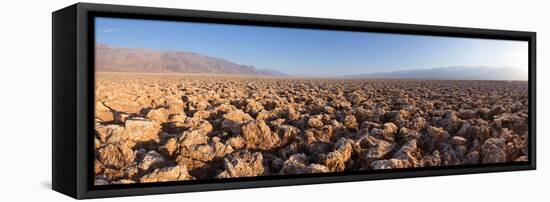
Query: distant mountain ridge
[(451, 73), (111, 58), (116, 59)]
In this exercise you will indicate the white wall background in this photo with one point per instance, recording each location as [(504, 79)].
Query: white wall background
[(25, 89)]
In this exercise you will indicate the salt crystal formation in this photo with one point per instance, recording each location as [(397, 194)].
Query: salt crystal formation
[(161, 127)]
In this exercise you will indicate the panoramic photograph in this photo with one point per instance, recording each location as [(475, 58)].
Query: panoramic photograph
[(180, 101)]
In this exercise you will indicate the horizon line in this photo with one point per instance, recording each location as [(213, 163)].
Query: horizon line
[(302, 75)]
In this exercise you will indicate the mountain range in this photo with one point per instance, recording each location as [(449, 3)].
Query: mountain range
[(116, 59), (451, 73)]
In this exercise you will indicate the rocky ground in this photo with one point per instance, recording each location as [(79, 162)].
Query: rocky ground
[(155, 128)]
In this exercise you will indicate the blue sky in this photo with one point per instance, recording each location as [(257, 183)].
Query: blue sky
[(308, 52)]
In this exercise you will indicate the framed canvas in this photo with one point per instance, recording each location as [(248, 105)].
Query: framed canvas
[(156, 100)]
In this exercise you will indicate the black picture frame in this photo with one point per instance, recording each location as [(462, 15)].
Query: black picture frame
[(73, 93)]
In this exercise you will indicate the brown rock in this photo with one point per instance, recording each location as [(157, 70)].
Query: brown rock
[(457, 140), (200, 152), (496, 110), (192, 137), (175, 105), (242, 164), (123, 105), (371, 148), (257, 135), (104, 132), (316, 168), (114, 174), (253, 107), (170, 148), (125, 181), (232, 121), (298, 164), (472, 158), (159, 115), (151, 161), (407, 134), (315, 123), (202, 126), (435, 138), (387, 133), (467, 114), (287, 133), (431, 160), (465, 130), (494, 150), (410, 153), (418, 123), (236, 142), (197, 168), (97, 143), (103, 113), (350, 122), (177, 118), (522, 158), (295, 164), (98, 167), (449, 118), (328, 109), (389, 164), (101, 181), (116, 156), (336, 160), (293, 114), (220, 149), (175, 173), (141, 130)]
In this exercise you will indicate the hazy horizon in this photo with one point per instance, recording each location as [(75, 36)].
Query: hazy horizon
[(312, 53)]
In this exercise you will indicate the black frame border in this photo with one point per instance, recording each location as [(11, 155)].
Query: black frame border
[(85, 77)]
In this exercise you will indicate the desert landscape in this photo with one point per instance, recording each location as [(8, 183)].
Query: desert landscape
[(186, 101), (157, 127)]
